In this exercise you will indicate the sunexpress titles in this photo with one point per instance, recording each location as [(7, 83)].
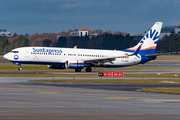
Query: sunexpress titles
[(44, 50)]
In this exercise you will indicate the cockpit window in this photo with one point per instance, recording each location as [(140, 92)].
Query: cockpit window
[(14, 51)]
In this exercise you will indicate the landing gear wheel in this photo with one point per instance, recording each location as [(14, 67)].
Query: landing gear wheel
[(77, 70), (19, 68), (88, 69)]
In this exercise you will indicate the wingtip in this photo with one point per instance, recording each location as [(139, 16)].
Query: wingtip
[(75, 46)]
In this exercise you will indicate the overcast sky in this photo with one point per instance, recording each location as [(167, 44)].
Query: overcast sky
[(54, 16)]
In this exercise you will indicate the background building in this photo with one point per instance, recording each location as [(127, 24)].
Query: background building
[(167, 30), (81, 33), (3, 33)]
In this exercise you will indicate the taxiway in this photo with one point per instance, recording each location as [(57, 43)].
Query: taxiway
[(93, 72), (22, 99)]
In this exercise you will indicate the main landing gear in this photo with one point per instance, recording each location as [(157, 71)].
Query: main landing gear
[(88, 69), (77, 70)]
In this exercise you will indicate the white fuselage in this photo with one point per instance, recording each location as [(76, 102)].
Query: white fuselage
[(55, 55)]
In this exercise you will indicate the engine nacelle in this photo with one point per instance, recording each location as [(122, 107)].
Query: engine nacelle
[(57, 66), (75, 64)]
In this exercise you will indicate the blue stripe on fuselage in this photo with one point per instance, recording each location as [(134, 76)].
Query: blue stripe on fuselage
[(40, 63), (150, 51)]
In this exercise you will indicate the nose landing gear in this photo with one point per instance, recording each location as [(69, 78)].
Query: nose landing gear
[(16, 63), (19, 68)]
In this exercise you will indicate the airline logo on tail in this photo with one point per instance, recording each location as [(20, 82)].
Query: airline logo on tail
[(150, 35), (149, 40)]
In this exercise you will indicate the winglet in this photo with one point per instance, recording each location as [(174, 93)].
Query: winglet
[(75, 46), (137, 50)]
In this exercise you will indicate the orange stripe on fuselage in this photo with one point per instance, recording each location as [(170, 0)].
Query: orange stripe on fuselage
[(153, 47), (134, 49)]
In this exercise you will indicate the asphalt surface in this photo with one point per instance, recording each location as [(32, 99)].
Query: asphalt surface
[(107, 86), (22, 99), (93, 72)]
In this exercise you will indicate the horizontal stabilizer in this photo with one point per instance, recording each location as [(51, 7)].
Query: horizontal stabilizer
[(152, 55)]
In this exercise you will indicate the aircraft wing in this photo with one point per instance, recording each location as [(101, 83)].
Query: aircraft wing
[(101, 61), (98, 62)]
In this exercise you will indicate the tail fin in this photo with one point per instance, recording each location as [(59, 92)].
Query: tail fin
[(149, 40)]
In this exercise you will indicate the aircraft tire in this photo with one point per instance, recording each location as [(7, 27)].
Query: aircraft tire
[(77, 70), (19, 68), (88, 69)]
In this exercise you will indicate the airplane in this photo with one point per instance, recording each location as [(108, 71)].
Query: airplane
[(75, 58)]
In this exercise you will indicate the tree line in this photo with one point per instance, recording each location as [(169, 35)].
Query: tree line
[(169, 43), (103, 41)]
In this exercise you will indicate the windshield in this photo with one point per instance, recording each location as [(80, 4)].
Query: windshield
[(14, 51)]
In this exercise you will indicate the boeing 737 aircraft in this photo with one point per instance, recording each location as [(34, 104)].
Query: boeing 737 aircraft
[(62, 58)]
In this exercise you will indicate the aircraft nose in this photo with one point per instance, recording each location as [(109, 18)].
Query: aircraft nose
[(6, 56)]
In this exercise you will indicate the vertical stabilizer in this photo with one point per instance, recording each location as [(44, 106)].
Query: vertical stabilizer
[(149, 40)]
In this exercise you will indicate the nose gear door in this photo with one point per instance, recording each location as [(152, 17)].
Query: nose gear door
[(27, 53)]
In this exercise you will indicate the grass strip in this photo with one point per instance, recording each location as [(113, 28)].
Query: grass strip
[(162, 90), (95, 75), (9, 67), (116, 81), (51, 75)]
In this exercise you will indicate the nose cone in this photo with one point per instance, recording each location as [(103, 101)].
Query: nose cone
[(7, 56)]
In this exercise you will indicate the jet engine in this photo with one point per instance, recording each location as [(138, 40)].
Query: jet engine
[(74, 64), (57, 66)]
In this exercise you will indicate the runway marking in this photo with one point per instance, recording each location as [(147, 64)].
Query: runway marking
[(160, 100), (63, 93), (146, 99), (10, 88), (119, 97), (44, 92), (51, 92)]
